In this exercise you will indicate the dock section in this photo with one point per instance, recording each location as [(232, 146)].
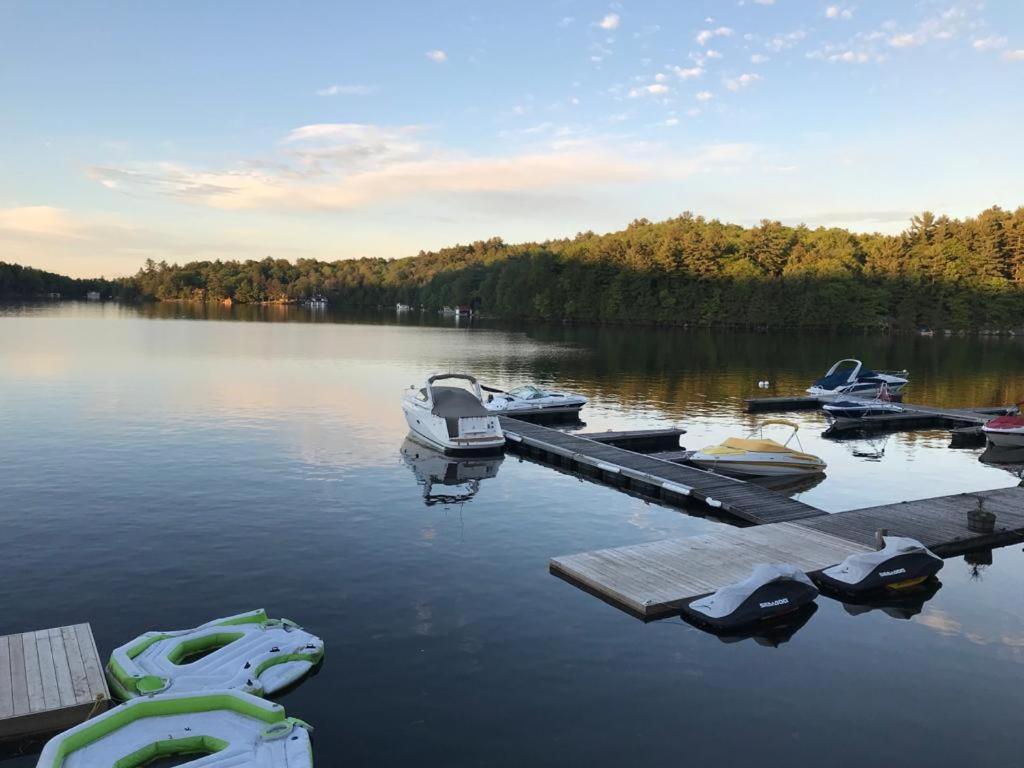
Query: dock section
[(50, 680), (655, 478), (654, 579)]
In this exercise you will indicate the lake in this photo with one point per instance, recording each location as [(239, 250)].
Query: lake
[(164, 465)]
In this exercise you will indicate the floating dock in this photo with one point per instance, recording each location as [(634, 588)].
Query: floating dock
[(962, 420), (652, 477), (653, 580), (642, 440), (50, 680)]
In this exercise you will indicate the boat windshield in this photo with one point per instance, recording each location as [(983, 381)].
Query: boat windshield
[(527, 392)]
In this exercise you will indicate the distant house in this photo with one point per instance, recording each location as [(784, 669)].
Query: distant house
[(400, 307), (92, 296), (463, 310)]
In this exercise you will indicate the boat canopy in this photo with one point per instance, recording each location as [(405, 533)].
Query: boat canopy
[(453, 402), (838, 376)]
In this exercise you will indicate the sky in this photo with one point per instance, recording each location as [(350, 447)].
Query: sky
[(202, 130)]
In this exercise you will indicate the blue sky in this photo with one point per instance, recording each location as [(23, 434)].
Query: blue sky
[(182, 130)]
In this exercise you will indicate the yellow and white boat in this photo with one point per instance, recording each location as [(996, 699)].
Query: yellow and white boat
[(758, 456)]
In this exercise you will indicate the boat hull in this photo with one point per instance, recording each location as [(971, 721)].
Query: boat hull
[(757, 465), (1004, 438), (433, 431)]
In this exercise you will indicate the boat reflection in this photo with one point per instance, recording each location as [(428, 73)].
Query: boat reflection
[(447, 479), (861, 446), (789, 485), (770, 634), (1010, 459), (899, 604)]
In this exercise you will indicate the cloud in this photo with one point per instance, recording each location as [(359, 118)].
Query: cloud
[(835, 12), (850, 57), (706, 34), (672, 121), (704, 96), (656, 89), (946, 26), (437, 55), (611, 21), (742, 81), (687, 73), (989, 43), (346, 90), (785, 41), (765, 2), (758, 58), (351, 166), (711, 53), (1017, 55), (567, 21)]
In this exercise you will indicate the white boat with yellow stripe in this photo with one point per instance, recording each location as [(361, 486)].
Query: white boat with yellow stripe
[(758, 456)]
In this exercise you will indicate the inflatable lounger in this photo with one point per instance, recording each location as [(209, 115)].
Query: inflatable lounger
[(223, 729), (247, 652)]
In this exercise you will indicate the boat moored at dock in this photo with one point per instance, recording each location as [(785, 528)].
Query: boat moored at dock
[(530, 399), (759, 456), (1006, 431), (850, 377), (452, 418)]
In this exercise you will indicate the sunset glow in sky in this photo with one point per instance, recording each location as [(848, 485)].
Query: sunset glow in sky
[(236, 130)]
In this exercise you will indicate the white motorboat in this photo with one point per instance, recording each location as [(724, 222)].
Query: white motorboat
[(861, 408), (1006, 431), (452, 418), (759, 456), (532, 399), (850, 377)]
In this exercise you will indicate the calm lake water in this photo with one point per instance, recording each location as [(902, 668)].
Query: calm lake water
[(162, 466)]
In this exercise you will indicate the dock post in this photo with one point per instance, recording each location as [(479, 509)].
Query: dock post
[(880, 535)]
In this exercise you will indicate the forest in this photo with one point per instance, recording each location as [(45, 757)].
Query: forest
[(689, 271), (18, 282)]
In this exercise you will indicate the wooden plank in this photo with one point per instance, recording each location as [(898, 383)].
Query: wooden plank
[(91, 657), (6, 681), (76, 665), (36, 701), (65, 686), (19, 681), (47, 670)]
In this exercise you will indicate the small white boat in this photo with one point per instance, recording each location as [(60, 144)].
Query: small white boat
[(533, 399), (850, 377), (1006, 431), (760, 456), (452, 418)]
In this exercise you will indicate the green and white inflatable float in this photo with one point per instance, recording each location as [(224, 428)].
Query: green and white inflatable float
[(247, 652), (219, 729)]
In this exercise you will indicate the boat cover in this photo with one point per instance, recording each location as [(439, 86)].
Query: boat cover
[(739, 445), (456, 403), (247, 652), (728, 600), (217, 729), (1006, 422), (902, 559)]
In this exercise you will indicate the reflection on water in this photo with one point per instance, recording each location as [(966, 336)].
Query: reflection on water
[(166, 464), (898, 604), (769, 634), (447, 479), (790, 485)]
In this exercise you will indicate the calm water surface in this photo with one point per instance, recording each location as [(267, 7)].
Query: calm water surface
[(161, 466)]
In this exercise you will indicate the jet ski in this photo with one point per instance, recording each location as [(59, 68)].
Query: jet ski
[(902, 562)]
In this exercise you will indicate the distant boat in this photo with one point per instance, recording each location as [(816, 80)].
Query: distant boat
[(400, 307), (850, 377), (317, 301), (760, 456), (92, 296)]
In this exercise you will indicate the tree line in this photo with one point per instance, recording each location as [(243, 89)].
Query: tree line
[(940, 273)]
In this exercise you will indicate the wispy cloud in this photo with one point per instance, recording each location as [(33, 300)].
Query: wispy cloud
[(758, 58), (688, 73), (736, 83), (437, 55), (655, 89), (1016, 55), (990, 43), (610, 21), (837, 12), (705, 35), (346, 90), (567, 21), (704, 96), (41, 220)]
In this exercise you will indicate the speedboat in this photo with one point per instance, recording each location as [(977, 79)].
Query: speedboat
[(759, 456), (850, 377), (533, 399), (1006, 431), (452, 418)]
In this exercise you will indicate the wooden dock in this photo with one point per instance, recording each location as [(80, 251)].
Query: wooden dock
[(654, 579), (652, 477), (642, 440), (50, 680)]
